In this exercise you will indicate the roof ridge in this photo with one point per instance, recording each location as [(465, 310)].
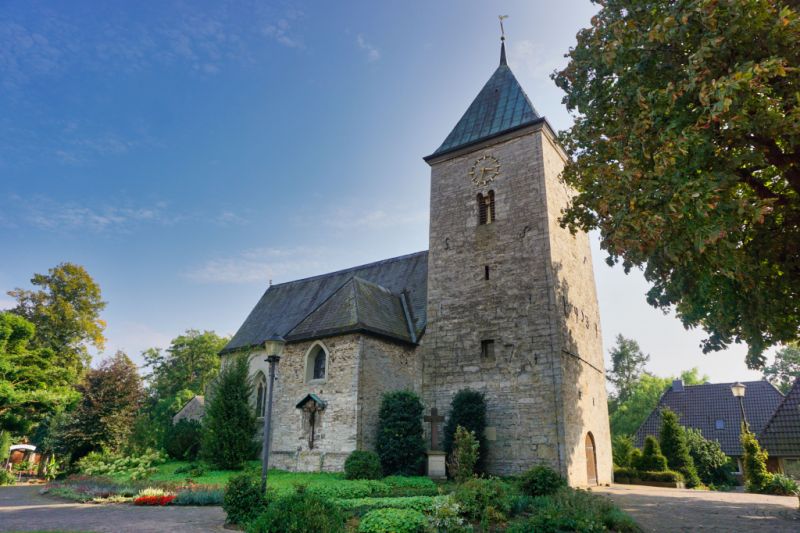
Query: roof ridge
[(351, 269)]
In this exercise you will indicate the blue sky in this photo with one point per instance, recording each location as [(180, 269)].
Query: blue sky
[(188, 152)]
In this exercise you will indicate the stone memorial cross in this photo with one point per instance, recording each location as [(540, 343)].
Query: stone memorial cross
[(434, 418)]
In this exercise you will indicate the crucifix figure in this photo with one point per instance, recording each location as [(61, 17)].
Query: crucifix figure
[(311, 409), (434, 418)]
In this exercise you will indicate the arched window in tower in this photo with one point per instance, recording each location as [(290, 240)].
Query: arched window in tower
[(317, 362), (486, 208), (261, 393)]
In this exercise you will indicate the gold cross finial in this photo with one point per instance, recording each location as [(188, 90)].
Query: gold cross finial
[(502, 31)]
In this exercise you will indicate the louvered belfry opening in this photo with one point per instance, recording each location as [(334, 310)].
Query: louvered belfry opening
[(486, 208)]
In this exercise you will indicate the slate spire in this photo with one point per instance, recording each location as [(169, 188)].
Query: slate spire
[(501, 106)]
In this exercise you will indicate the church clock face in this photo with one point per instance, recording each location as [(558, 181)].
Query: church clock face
[(485, 169)]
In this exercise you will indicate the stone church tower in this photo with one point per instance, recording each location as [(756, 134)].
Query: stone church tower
[(512, 309), (503, 303)]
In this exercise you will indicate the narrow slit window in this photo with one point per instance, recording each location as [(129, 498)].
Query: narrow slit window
[(481, 210), (486, 272), (487, 350)]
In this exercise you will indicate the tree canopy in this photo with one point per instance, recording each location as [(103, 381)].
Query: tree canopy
[(627, 366), (33, 383), (685, 153), (785, 369), (66, 312)]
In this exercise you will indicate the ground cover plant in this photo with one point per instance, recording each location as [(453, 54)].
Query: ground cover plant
[(393, 521), (298, 512)]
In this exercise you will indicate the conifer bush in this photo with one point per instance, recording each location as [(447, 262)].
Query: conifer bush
[(621, 450), (400, 443), (675, 448), (468, 410), (229, 424), (651, 460), (182, 440), (754, 460), (243, 499)]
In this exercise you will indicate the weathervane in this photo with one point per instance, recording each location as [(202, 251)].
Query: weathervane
[(502, 31)]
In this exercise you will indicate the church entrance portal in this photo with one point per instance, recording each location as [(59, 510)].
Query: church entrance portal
[(591, 460)]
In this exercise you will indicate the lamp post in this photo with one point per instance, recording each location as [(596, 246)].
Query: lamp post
[(738, 390), (274, 348)]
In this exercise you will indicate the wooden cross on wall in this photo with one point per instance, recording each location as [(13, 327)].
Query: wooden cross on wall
[(434, 418)]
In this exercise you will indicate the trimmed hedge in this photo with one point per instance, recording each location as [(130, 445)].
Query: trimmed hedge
[(631, 475), (300, 512), (361, 506), (363, 464), (393, 521)]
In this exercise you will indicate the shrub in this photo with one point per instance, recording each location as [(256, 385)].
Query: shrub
[(393, 521), (468, 410), (357, 488), (754, 460), (300, 512), (243, 499), (200, 496), (445, 517), (625, 475), (541, 481), (651, 460), (182, 440), (631, 475), (484, 499), (5, 447), (229, 423), (362, 464), (675, 449), (621, 450), (574, 510), (713, 466), (193, 469), (6, 477), (461, 463), (781, 485), (400, 443), (115, 464)]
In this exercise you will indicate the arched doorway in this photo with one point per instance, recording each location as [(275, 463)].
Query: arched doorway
[(591, 460)]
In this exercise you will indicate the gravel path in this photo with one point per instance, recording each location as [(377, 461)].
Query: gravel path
[(659, 509), (22, 508)]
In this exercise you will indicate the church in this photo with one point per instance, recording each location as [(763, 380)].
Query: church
[(502, 302)]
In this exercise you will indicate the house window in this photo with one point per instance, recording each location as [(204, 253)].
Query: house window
[(487, 350), (719, 424), (486, 208), (261, 393), (317, 363)]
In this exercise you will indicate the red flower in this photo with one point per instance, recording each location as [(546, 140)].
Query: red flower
[(154, 500)]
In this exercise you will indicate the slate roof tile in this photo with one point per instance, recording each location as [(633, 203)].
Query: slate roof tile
[(376, 286), (700, 406), (781, 437)]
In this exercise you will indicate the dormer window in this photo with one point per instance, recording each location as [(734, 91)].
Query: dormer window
[(486, 208)]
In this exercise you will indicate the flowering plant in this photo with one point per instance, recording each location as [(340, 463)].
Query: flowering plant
[(164, 499)]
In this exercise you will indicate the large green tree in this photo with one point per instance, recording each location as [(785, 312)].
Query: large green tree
[(65, 308), (785, 369), (627, 367), (685, 153), (104, 418), (33, 384)]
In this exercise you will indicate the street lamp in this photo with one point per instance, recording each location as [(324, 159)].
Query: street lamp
[(274, 348), (738, 390)]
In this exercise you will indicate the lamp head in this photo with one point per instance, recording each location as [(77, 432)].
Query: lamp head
[(274, 345), (738, 389)]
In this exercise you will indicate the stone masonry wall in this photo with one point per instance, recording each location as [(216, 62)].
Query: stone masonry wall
[(585, 408), (514, 307), (336, 426), (384, 366)]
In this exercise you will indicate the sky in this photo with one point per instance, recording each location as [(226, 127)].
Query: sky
[(187, 153)]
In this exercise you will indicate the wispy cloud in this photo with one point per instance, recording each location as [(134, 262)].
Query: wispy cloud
[(229, 218), (47, 214), (375, 219), (373, 54), (260, 265), (534, 61), (281, 32)]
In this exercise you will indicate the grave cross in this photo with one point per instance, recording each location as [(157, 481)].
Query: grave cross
[(434, 418)]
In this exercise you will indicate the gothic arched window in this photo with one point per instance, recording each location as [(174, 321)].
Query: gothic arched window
[(317, 362), (261, 394), (486, 213)]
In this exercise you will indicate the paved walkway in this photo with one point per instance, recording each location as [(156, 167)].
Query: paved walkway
[(23, 509), (658, 509)]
